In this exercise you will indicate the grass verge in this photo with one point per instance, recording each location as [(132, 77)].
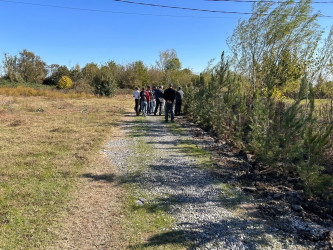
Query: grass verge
[(45, 143)]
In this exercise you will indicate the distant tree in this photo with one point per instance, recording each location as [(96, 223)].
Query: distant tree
[(133, 75), (75, 73), (104, 82), (329, 89), (57, 73), (27, 67), (173, 64), (320, 88), (51, 69), (164, 57), (90, 71), (31, 67), (155, 75), (170, 64), (141, 72), (11, 68), (115, 70)]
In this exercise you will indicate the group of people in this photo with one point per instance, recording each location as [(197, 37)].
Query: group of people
[(150, 101)]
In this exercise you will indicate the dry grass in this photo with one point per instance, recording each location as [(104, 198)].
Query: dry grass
[(44, 144), (29, 91)]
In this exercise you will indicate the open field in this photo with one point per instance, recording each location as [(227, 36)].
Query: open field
[(318, 102), (44, 144)]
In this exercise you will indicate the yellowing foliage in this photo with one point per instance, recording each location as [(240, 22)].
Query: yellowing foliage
[(65, 82)]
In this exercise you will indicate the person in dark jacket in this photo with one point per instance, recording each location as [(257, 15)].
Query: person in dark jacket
[(144, 99), (169, 96), (179, 100), (159, 100)]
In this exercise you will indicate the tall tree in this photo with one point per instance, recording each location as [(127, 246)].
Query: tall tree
[(141, 72), (164, 57), (170, 64), (273, 35), (28, 66), (155, 76), (31, 67), (90, 71)]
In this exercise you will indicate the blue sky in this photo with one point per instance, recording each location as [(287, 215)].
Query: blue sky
[(79, 32)]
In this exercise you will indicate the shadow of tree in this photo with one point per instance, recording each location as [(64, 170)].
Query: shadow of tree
[(166, 238), (246, 231), (101, 177)]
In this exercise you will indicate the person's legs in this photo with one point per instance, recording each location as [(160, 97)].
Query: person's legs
[(157, 106), (167, 107), (144, 108), (162, 107), (147, 107), (176, 109), (137, 106), (171, 107), (153, 104)]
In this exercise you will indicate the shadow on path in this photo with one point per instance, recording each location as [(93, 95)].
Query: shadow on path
[(101, 177), (194, 189)]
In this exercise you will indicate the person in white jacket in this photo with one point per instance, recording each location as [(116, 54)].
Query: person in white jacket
[(136, 96)]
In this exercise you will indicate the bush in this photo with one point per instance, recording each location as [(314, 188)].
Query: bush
[(104, 85), (83, 86), (64, 82)]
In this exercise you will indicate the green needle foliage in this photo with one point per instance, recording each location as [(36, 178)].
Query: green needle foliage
[(288, 138)]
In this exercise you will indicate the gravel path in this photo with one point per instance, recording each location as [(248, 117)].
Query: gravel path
[(175, 178)]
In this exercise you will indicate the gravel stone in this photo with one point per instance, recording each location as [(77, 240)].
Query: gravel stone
[(192, 194)]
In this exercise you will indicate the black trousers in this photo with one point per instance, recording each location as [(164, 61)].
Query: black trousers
[(158, 106), (136, 107), (178, 107)]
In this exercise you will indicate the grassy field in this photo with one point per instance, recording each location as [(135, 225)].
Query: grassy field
[(44, 144)]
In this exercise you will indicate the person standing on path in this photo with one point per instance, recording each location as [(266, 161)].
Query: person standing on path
[(153, 100), (136, 96), (159, 100), (151, 97), (144, 95), (179, 100), (169, 95), (163, 102)]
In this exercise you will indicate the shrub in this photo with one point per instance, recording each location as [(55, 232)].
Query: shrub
[(65, 82), (83, 86), (104, 85)]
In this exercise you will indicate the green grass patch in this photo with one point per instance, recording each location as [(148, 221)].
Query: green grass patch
[(202, 157), (232, 197), (176, 129), (42, 154)]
